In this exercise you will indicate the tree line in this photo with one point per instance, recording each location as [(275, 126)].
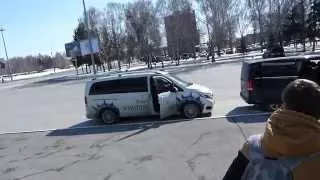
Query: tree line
[(134, 30), (285, 21), (128, 31), (269, 22), (34, 63)]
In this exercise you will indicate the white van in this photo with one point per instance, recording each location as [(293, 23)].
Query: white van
[(144, 94)]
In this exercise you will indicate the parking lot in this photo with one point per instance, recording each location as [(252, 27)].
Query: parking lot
[(43, 105), (147, 149)]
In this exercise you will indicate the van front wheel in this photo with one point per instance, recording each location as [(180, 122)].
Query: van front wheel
[(108, 116), (191, 110)]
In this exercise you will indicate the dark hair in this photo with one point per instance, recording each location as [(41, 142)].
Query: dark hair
[(302, 95)]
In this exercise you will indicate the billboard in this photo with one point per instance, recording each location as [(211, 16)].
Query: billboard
[(85, 46), (73, 49), (81, 48)]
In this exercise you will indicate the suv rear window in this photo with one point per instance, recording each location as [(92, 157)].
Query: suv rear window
[(277, 69), (249, 71), (128, 85), (245, 71)]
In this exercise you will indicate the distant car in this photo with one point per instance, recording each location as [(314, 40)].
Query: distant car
[(203, 54), (154, 59), (229, 51), (273, 52), (145, 94), (185, 56), (161, 58)]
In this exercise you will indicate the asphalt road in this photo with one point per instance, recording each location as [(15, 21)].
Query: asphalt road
[(59, 103), (190, 150)]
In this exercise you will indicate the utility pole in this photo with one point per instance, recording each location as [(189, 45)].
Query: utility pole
[(5, 49), (89, 36), (53, 62)]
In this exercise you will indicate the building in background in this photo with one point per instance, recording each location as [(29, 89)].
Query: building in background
[(182, 33)]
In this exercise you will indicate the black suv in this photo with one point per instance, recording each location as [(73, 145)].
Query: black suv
[(262, 81)]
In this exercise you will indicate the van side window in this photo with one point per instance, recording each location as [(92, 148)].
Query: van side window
[(128, 85), (272, 69), (161, 84)]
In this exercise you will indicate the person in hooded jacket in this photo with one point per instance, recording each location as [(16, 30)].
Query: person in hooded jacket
[(291, 131)]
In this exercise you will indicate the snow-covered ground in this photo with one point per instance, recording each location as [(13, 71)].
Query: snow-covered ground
[(35, 75), (140, 65)]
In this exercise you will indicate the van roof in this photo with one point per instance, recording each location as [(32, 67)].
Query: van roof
[(301, 57), (128, 75)]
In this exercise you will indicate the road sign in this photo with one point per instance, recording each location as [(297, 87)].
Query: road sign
[(81, 48), (85, 46), (73, 49)]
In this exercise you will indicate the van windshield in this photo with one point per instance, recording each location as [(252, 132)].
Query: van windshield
[(179, 81)]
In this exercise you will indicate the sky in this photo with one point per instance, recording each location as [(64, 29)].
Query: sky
[(41, 26)]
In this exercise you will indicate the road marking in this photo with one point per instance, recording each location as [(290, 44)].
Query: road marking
[(135, 124)]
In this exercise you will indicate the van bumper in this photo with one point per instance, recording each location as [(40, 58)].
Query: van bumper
[(208, 106), (246, 99), (90, 116), (252, 98)]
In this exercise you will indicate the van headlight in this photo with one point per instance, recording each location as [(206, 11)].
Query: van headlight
[(207, 96)]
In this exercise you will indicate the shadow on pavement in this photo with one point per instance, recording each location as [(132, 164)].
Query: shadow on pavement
[(247, 114), (50, 81), (138, 125)]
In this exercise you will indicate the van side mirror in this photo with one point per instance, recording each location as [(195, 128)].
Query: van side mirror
[(173, 89)]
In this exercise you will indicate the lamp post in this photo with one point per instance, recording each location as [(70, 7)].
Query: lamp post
[(5, 50), (89, 36)]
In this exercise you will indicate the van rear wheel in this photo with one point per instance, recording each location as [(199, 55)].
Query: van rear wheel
[(108, 116)]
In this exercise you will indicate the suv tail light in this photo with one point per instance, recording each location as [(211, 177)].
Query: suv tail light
[(85, 100), (250, 86)]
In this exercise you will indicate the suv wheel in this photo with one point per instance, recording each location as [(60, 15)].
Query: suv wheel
[(108, 116), (191, 110)]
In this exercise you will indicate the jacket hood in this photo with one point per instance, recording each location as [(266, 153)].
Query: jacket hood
[(290, 133)]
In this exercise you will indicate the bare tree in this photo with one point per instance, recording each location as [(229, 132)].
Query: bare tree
[(243, 23), (60, 60), (114, 28), (143, 24), (258, 9), (231, 21), (105, 46), (204, 6), (95, 18), (221, 21), (178, 5), (278, 10), (40, 62)]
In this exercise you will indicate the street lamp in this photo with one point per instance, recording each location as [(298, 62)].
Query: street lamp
[(89, 36), (5, 50)]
